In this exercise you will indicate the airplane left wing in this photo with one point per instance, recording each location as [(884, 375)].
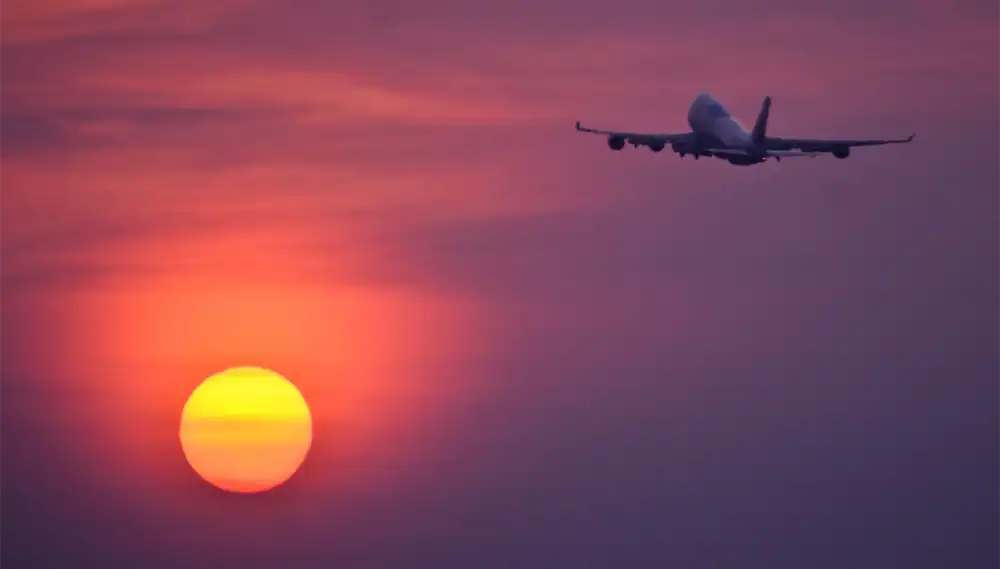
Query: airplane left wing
[(637, 138), (820, 145)]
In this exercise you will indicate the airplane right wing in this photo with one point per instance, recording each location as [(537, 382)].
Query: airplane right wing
[(617, 139)]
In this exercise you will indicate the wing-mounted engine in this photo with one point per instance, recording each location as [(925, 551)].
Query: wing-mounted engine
[(617, 142), (685, 147), (842, 152)]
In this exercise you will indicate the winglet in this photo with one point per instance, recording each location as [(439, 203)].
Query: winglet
[(577, 125), (912, 136)]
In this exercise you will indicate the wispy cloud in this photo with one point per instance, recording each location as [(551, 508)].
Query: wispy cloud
[(229, 110), (46, 21)]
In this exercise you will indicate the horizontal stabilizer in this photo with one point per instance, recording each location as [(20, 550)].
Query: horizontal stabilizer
[(792, 153), (774, 153)]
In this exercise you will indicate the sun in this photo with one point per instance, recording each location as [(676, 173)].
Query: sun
[(246, 429)]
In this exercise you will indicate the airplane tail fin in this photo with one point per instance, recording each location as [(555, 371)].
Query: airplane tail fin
[(760, 127)]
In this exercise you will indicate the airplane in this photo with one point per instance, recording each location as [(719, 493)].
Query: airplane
[(715, 133)]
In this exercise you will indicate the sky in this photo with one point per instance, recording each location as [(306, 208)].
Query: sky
[(519, 348)]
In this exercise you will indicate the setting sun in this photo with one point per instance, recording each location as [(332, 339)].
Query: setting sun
[(246, 429)]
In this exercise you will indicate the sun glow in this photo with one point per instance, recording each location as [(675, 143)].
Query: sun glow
[(246, 429)]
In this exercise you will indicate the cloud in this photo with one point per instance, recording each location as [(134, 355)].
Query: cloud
[(24, 133), (222, 112), (73, 130), (45, 21), (328, 65)]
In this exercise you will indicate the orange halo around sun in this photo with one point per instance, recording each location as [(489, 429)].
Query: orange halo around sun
[(246, 429)]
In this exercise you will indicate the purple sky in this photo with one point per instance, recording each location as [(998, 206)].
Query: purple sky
[(521, 349)]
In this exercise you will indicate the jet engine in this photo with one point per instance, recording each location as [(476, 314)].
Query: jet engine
[(842, 152), (656, 145), (682, 148), (616, 142)]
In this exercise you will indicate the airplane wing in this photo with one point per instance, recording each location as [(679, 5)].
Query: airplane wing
[(821, 145), (638, 138), (774, 153)]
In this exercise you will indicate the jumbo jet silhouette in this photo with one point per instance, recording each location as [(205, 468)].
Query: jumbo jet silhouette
[(714, 132)]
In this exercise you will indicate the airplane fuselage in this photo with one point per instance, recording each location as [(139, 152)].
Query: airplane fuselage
[(714, 127)]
